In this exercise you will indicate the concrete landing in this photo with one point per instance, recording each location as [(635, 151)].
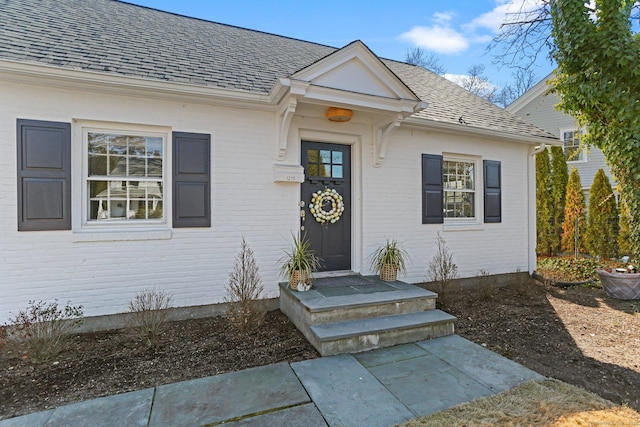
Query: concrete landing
[(381, 388)]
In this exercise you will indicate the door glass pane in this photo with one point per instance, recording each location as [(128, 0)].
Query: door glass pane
[(325, 156), (325, 170), (336, 157), (312, 170), (312, 156), (337, 171)]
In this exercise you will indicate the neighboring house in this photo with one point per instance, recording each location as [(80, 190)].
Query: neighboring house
[(138, 147), (537, 106)]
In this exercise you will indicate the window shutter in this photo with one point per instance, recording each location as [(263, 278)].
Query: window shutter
[(432, 189), (492, 192), (44, 175), (191, 180)]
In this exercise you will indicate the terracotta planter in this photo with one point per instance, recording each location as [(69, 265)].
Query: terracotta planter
[(620, 285)]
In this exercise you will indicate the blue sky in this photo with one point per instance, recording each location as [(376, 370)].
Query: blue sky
[(457, 31)]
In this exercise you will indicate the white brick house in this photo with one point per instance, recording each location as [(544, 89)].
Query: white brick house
[(137, 149)]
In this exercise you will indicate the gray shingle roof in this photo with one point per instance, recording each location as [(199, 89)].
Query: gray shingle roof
[(124, 39)]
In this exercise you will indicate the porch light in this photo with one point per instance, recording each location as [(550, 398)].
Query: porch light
[(336, 114)]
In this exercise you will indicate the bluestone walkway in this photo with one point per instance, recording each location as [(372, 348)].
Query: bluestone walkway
[(377, 388)]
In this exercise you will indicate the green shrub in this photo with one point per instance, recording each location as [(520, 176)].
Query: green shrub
[(575, 220), (566, 269), (559, 180), (602, 222), (544, 205), (44, 328)]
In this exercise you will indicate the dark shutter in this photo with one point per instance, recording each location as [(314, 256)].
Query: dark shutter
[(191, 180), (44, 175), (432, 189), (492, 192)]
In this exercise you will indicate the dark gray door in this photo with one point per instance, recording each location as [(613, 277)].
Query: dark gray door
[(328, 167)]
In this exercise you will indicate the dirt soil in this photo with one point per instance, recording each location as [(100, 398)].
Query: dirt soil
[(577, 335)]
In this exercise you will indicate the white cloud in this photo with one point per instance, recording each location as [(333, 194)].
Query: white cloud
[(437, 38), (504, 9)]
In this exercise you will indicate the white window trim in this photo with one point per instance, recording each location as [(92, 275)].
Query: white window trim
[(478, 207), (582, 148), (85, 230)]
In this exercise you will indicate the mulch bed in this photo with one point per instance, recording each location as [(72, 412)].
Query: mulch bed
[(577, 335)]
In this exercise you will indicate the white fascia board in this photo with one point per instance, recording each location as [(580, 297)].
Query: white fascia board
[(472, 130), (330, 96), (66, 78)]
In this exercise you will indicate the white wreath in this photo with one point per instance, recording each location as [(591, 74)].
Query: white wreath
[(319, 199)]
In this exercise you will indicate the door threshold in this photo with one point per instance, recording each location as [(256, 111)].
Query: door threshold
[(337, 273)]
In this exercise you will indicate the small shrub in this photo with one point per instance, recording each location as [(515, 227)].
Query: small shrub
[(147, 317), (44, 328), (486, 285), (565, 269), (521, 284), (442, 269), (243, 291)]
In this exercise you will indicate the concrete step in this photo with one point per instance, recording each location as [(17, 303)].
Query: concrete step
[(321, 306), (366, 334)]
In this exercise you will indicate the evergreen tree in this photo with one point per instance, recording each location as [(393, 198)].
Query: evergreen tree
[(624, 246), (574, 212), (559, 179), (544, 204), (602, 222)]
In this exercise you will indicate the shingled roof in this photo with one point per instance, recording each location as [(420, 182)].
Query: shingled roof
[(118, 38)]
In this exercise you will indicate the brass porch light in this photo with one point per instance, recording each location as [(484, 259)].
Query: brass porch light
[(336, 114)]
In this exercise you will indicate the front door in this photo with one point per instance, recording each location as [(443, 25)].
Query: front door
[(327, 215)]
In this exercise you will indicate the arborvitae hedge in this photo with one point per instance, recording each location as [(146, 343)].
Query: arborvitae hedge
[(574, 208), (559, 180), (602, 222), (544, 205)]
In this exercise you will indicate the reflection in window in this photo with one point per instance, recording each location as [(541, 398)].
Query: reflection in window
[(459, 189), (325, 163), (572, 149), (124, 176)]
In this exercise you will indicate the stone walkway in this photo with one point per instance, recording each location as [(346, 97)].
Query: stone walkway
[(376, 388)]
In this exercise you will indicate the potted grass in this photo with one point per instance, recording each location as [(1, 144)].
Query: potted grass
[(389, 260), (298, 263)]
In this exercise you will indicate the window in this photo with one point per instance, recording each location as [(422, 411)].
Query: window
[(459, 188), (450, 187), (573, 151), (125, 178)]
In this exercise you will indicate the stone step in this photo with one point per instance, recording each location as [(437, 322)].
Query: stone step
[(322, 306), (366, 334)]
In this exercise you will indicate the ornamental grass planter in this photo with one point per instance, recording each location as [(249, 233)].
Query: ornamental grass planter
[(389, 272), (620, 285), (298, 276)]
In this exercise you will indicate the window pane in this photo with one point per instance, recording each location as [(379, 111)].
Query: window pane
[(325, 170), (137, 190), (97, 143), (137, 146), (154, 147), (312, 170), (154, 167), (137, 166), (117, 166), (155, 209), (117, 144), (312, 156), (337, 171), (98, 189), (336, 157), (97, 165), (325, 156)]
